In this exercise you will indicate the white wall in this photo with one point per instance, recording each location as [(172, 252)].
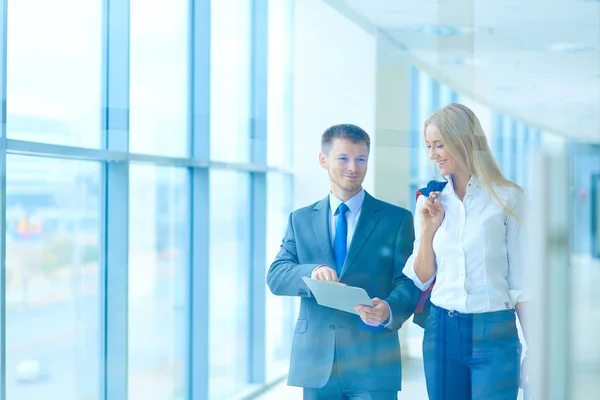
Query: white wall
[(334, 82)]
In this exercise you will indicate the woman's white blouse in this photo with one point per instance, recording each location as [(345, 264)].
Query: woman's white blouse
[(478, 250)]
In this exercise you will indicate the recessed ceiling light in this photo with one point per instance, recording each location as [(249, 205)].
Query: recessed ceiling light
[(470, 61), (439, 30), (570, 47)]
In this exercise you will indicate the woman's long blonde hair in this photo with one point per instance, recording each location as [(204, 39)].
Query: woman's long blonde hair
[(465, 141)]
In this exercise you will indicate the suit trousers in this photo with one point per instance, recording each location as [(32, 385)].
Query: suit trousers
[(334, 390), (471, 356)]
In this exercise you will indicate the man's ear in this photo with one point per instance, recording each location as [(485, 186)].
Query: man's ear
[(323, 160)]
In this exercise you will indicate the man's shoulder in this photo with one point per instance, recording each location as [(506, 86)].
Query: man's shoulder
[(309, 209), (391, 209)]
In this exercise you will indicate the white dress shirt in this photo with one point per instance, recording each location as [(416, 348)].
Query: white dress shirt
[(354, 207), (478, 250)]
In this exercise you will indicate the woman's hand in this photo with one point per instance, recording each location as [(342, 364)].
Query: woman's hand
[(432, 213)]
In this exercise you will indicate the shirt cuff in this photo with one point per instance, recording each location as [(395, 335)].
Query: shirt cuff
[(390, 319), (519, 295), (316, 268), (409, 271)]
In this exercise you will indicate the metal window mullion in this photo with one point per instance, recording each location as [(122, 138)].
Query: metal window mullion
[(115, 235), (197, 378), (3, 64), (290, 6), (258, 192), (288, 188), (27, 148)]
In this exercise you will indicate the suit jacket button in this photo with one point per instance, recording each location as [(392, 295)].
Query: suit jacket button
[(332, 327)]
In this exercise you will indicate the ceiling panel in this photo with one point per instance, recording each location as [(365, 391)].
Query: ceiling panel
[(538, 61)]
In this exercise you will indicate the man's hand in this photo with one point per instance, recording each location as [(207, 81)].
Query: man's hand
[(375, 315), (324, 273)]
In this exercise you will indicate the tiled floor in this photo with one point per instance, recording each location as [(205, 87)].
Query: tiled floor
[(413, 384)]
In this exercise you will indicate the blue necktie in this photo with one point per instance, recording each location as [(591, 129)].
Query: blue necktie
[(341, 237)]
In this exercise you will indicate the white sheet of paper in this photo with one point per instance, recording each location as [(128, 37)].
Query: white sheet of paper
[(337, 295)]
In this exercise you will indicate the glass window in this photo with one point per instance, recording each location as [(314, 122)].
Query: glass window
[(158, 260), (415, 139), (426, 107), (447, 96), (52, 279), (54, 63), (230, 80), (279, 92), (498, 144), (279, 309), (159, 77), (229, 273), (521, 139), (509, 147)]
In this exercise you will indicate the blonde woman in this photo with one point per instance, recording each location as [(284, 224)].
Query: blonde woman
[(469, 239)]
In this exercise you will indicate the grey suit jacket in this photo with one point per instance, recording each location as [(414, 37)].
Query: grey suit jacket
[(368, 357)]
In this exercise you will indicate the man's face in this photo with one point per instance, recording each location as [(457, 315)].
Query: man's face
[(346, 164)]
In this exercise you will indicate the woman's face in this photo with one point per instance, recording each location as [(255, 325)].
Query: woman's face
[(437, 152)]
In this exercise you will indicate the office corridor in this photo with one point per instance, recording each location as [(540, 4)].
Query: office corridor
[(585, 346), (413, 384)]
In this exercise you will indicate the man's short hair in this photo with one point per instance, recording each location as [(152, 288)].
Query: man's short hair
[(344, 131)]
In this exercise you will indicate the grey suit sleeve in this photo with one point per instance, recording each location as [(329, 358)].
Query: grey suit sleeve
[(405, 295), (285, 273)]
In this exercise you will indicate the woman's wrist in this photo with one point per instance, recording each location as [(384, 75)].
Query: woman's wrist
[(427, 234)]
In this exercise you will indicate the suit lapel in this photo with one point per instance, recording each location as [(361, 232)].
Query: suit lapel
[(320, 223), (366, 222)]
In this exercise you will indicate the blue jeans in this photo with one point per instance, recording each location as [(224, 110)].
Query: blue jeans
[(471, 356)]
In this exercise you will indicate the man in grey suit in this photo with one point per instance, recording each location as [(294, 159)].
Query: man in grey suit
[(365, 242)]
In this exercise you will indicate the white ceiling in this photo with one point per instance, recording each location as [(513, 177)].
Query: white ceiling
[(538, 61)]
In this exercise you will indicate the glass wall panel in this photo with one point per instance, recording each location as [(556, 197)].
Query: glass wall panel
[(54, 63), (229, 281), (426, 107), (52, 279), (230, 80), (279, 317), (447, 96), (159, 78), (158, 264), (509, 148), (279, 92)]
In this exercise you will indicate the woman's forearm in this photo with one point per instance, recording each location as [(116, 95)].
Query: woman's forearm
[(425, 262)]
